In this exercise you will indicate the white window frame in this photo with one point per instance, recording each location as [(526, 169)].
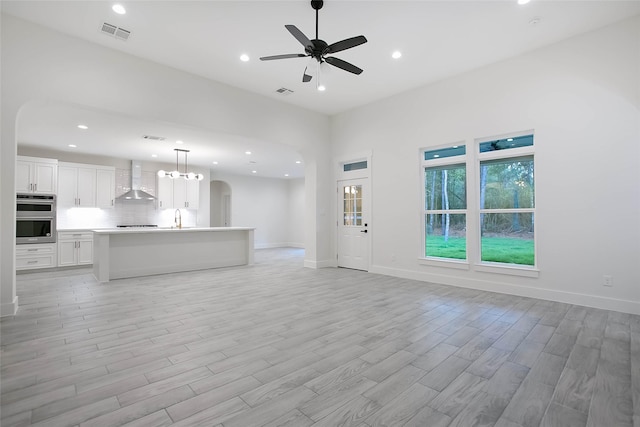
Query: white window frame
[(462, 264), (511, 153), (471, 160)]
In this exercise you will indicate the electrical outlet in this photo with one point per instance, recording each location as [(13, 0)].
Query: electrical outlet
[(607, 281)]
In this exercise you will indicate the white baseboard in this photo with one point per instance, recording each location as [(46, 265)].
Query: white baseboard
[(278, 245), (632, 307), (9, 309)]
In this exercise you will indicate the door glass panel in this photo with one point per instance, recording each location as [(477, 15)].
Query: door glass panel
[(352, 203)]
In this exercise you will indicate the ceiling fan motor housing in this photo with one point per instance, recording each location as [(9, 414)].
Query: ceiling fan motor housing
[(318, 50)]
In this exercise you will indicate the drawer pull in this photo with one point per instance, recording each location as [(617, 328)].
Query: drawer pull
[(32, 262), (32, 250)]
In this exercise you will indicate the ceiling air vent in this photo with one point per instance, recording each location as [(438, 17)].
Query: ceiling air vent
[(284, 91), (117, 32), (153, 138), (122, 34)]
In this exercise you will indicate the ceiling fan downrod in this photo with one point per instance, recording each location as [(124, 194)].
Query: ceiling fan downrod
[(317, 5)]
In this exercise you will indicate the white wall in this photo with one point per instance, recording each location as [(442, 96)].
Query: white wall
[(267, 204), (39, 64), (582, 99), (295, 219)]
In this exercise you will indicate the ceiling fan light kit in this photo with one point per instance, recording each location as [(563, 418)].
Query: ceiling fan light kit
[(318, 50)]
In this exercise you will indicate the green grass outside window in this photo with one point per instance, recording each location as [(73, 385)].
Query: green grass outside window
[(494, 249)]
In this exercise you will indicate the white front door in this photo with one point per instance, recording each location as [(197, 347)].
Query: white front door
[(353, 221)]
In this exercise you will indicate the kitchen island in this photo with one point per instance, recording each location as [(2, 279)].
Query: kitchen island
[(132, 252)]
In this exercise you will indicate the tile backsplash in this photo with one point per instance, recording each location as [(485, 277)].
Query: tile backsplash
[(124, 212)]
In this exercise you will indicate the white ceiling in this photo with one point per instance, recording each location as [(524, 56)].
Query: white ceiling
[(438, 39)]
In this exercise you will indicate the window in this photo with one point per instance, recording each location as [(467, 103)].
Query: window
[(493, 226), (352, 200), (445, 203), (347, 167), (507, 201)]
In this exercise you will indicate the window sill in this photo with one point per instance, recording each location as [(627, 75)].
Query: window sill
[(513, 270), (446, 263)]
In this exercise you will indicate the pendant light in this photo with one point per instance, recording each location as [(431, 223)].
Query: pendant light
[(176, 173)]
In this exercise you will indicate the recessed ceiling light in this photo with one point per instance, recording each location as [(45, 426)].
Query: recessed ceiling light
[(321, 88), (523, 1), (119, 9), (154, 155), (397, 54), (286, 174), (72, 145), (247, 152), (298, 162), (215, 163), (254, 171), (244, 57), (179, 142), (83, 127)]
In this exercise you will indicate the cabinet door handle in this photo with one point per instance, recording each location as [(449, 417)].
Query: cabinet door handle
[(79, 202), (111, 202), (32, 262), (35, 187), (32, 250)]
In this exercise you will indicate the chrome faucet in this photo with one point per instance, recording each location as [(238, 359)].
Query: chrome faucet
[(177, 218)]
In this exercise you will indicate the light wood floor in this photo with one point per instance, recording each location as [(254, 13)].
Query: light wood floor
[(276, 344)]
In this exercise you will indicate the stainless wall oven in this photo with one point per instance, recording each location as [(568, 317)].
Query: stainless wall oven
[(35, 218)]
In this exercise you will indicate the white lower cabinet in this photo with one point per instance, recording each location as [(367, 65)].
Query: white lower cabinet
[(41, 255), (75, 248)]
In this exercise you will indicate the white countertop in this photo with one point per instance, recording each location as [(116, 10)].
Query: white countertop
[(134, 230)]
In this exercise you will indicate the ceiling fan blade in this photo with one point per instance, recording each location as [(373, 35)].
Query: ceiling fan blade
[(289, 55), (299, 35), (346, 44), (336, 62)]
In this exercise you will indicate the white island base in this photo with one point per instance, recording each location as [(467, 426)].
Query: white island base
[(121, 253)]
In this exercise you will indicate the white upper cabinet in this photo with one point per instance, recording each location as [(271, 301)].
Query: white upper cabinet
[(76, 185), (81, 185), (178, 193), (192, 198), (36, 175), (165, 193), (105, 187)]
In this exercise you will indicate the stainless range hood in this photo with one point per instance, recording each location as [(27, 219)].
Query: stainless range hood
[(135, 193)]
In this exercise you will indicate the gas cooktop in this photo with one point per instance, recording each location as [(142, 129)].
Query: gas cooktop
[(137, 225)]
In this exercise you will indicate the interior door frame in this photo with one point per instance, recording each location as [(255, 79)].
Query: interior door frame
[(342, 175)]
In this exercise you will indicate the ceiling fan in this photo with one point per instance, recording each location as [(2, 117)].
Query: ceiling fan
[(318, 49)]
